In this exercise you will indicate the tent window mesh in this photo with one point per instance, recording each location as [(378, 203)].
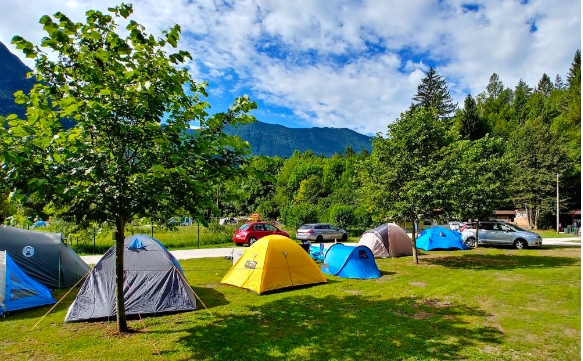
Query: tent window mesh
[(19, 289)]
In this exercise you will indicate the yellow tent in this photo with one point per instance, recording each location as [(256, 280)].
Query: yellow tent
[(271, 263)]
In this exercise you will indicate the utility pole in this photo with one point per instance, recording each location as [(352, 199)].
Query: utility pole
[(557, 202)]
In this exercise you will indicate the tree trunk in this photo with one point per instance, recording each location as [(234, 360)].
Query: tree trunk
[(414, 240), (477, 232), (536, 214), (122, 325)]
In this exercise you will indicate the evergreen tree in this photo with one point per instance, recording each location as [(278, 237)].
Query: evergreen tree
[(545, 86), (559, 83), (433, 93), (495, 87), (472, 126), (521, 94), (349, 151)]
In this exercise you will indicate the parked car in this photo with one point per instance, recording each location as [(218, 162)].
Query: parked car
[(500, 234), (228, 220), (250, 232), (320, 232)]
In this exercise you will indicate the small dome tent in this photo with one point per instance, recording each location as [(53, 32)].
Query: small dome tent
[(273, 262), (350, 262), (43, 256), (387, 240), (153, 283), (440, 238), (17, 290)]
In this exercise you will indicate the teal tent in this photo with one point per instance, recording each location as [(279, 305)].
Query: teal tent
[(350, 262), (440, 238)]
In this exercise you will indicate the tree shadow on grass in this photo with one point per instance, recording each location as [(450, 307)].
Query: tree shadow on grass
[(352, 327), (500, 261)]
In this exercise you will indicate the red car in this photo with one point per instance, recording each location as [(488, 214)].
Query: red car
[(250, 232)]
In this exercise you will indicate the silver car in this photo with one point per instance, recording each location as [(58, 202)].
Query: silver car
[(320, 232), (500, 234)]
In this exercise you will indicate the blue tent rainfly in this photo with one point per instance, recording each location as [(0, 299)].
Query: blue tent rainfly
[(350, 262), (440, 238), (18, 290)]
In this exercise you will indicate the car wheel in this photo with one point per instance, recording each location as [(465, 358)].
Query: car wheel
[(470, 242), (344, 237), (251, 241), (520, 244), (319, 239)]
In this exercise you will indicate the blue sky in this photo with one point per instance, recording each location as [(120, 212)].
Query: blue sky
[(353, 64)]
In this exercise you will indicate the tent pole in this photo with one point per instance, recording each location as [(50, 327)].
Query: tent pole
[(59, 267)]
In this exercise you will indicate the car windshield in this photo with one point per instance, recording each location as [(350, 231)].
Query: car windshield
[(516, 227), (244, 227)]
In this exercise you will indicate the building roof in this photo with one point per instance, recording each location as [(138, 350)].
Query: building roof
[(575, 212)]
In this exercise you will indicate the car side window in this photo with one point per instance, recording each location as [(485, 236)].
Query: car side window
[(497, 227), (259, 227), (486, 226), (318, 226), (325, 226), (334, 228), (269, 227)]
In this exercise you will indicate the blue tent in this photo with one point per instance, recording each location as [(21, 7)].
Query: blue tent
[(440, 238), (17, 290), (350, 262)]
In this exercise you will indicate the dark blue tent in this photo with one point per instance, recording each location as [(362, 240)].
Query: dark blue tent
[(350, 262), (440, 238), (17, 290)]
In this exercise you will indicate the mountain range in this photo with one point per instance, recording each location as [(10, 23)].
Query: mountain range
[(264, 138)]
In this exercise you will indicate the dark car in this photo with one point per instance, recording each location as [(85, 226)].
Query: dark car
[(250, 232)]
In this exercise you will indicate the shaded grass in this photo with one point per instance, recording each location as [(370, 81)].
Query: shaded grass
[(485, 304)]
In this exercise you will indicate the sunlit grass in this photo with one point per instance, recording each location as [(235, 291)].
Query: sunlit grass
[(485, 304)]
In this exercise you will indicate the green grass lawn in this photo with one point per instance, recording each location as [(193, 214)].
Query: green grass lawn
[(485, 304), (553, 234)]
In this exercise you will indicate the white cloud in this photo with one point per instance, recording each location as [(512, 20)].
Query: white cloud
[(342, 83)]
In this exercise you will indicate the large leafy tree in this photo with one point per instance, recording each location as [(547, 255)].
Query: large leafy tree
[(129, 153), (434, 93), (537, 158), (401, 179), (495, 105), (477, 177)]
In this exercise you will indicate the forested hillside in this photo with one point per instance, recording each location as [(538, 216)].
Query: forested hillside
[(12, 78), (277, 140)]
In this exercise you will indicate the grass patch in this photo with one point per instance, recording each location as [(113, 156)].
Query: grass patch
[(484, 304), (549, 233)]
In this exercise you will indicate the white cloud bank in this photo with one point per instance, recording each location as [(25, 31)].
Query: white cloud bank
[(315, 57)]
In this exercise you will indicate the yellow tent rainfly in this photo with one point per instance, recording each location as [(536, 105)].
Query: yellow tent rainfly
[(272, 263)]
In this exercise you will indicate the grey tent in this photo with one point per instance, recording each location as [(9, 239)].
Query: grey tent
[(43, 256), (153, 283), (387, 240)]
